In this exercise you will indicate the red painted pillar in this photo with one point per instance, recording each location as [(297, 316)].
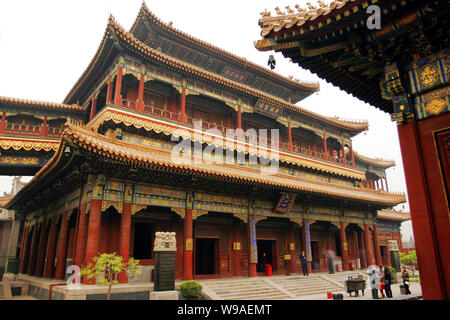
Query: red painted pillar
[(93, 107), (3, 123), (353, 156), (23, 250), (239, 118), (140, 104), (376, 245), (387, 187), (118, 94), (344, 246), (51, 248), (40, 261), (61, 250), (93, 233), (32, 257), (343, 153), (183, 105), (80, 249), (251, 237), (188, 245), (368, 245), (306, 241), (325, 147), (362, 250), (44, 128), (109, 92), (124, 241), (237, 251), (291, 146)]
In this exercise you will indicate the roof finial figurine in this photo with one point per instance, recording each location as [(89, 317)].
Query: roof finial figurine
[(289, 10), (300, 9), (322, 4), (265, 14), (170, 24), (311, 7), (279, 12)]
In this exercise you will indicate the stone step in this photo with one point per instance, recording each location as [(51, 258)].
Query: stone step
[(2, 297), (272, 296)]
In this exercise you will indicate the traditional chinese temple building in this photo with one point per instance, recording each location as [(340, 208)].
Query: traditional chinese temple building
[(395, 56), (115, 179)]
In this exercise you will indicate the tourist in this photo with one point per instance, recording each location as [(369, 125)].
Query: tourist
[(405, 277), (381, 283), (373, 282), (304, 264), (331, 261), (387, 282)]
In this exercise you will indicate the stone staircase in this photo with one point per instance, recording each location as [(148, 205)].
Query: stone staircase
[(242, 289), (2, 295), (276, 287)]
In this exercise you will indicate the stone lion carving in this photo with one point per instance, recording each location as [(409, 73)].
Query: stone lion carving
[(165, 241)]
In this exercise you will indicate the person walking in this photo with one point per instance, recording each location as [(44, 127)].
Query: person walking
[(373, 277), (304, 264), (405, 277), (331, 261), (381, 283), (387, 282)]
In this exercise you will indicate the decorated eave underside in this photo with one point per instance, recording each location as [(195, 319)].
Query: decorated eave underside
[(334, 41), (105, 148), (376, 162), (149, 29), (117, 40), (393, 215), (36, 107)]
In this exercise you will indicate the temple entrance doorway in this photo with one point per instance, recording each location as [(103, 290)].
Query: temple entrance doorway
[(315, 255), (266, 253), (206, 256), (142, 242)]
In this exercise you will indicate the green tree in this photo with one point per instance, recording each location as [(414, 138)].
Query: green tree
[(409, 258), (110, 265)]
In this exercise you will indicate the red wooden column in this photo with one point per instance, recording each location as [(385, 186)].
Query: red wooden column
[(61, 250), (109, 91), (93, 233), (353, 156), (237, 251), (3, 123), (51, 248), (188, 244), (125, 228), (343, 153), (344, 246), (93, 107), (40, 261), (140, 104), (376, 246), (183, 105), (32, 256), (387, 187), (362, 250), (80, 249), (118, 95), (358, 251), (289, 132), (23, 250), (325, 147), (252, 247), (368, 246)]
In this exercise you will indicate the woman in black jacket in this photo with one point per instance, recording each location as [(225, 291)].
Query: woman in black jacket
[(405, 277), (387, 282)]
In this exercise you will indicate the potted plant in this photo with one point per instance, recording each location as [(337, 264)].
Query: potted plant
[(110, 265), (191, 290)]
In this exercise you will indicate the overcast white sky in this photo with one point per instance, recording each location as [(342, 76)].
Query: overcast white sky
[(46, 45)]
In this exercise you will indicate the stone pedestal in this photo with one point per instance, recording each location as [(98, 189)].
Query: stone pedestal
[(164, 249), (164, 295)]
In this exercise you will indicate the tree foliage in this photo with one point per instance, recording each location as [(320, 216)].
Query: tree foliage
[(109, 265), (409, 258)]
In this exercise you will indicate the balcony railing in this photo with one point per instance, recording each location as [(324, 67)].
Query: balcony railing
[(32, 130), (176, 116)]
